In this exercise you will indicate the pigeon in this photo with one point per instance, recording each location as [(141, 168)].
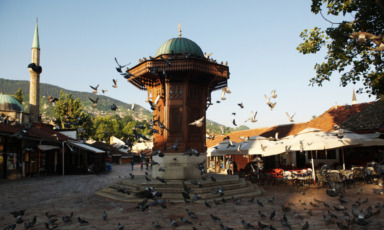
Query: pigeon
[(113, 107), (305, 226), (157, 153), (49, 215), (114, 83), (190, 152), (290, 117), (120, 66), (241, 105), (104, 90), (191, 215), (207, 55), (49, 227), (185, 195), (213, 179), (198, 123), (223, 130), (259, 203), (284, 222), (82, 221), (247, 225), (262, 226), (234, 122), (104, 216), (146, 178), (215, 218), (363, 36), (313, 204), (207, 204), (94, 89), (174, 223), (120, 227), (10, 227), (223, 92), (339, 207), (271, 201), (133, 106), (35, 68), (252, 118), (262, 214), (52, 100), (174, 146), (223, 227), (274, 95), (162, 180), (269, 103), (94, 101), (273, 214), (67, 219), (156, 225), (184, 220)]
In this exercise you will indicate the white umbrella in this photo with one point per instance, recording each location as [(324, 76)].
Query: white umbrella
[(226, 148), (315, 139), (265, 147), (357, 139)]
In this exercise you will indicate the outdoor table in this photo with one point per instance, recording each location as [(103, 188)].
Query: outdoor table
[(347, 173)]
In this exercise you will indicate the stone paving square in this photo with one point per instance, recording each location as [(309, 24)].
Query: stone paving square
[(61, 195)]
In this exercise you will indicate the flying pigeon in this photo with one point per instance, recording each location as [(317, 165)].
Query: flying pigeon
[(198, 122), (273, 93), (120, 66), (252, 118), (94, 89), (94, 101), (290, 117), (362, 36), (114, 83)]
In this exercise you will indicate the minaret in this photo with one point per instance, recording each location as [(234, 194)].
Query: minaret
[(354, 102), (34, 85)]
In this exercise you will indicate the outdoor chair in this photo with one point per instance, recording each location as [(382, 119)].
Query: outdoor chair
[(288, 177), (336, 181), (358, 175), (320, 178), (347, 176), (369, 174)]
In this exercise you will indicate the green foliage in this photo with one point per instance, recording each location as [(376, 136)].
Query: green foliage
[(19, 95), (355, 62), (122, 128), (70, 115)]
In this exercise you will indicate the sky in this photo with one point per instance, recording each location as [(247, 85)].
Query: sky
[(80, 39)]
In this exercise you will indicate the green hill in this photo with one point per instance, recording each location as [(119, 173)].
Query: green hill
[(102, 109), (46, 109)]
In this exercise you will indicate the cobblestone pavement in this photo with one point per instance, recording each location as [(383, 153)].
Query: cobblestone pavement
[(61, 195)]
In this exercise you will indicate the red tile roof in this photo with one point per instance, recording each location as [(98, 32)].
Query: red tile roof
[(336, 115), (38, 130)]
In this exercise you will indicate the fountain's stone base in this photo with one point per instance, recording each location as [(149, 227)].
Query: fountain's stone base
[(177, 166)]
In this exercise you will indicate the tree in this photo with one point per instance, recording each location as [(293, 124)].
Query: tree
[(70, 115), (19, 95), (357, 60)]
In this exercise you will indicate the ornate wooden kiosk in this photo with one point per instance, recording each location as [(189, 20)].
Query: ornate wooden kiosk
[(180, 79)]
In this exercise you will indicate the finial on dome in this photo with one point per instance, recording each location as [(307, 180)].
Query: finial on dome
[(179, 27)]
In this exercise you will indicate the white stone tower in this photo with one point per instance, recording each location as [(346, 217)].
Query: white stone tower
[(354, 101), (34, 85)]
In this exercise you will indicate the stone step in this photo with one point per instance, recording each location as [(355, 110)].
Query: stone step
[(233, 186)]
